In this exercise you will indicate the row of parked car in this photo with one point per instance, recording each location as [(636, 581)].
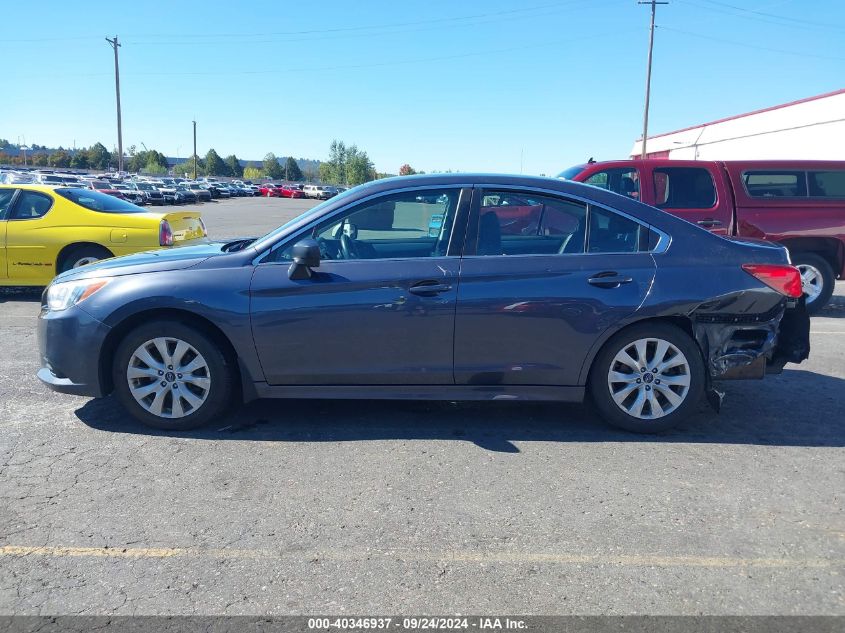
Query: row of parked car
[(167, 190)]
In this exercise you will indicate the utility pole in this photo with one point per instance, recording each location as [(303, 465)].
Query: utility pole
[(115, 45), (653, 4), (195, 149)]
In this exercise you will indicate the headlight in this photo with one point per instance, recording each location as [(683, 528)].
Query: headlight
[(63, 295)]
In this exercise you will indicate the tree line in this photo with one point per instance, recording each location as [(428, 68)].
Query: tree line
[(346, 165)]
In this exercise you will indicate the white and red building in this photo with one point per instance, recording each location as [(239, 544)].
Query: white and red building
[(811, 129)]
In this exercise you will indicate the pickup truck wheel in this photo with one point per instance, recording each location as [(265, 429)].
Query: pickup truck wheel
[(647, 378), (817, 280)]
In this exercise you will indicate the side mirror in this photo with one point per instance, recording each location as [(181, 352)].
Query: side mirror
[(306, 255)]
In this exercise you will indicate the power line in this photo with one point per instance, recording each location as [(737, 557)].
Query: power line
[(401, 62), (249, 35), (746, 45), (773, 15), (760, 17)]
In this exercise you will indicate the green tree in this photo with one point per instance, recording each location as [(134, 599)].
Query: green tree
[(98, 156), (59, 158), (272, 168), (40, 159), (359, 167), (336, 171), (187, 167), (79, 160), (214, 165), (253, 173), (325, 173), (154, 168), (292, 170), (234, 166)]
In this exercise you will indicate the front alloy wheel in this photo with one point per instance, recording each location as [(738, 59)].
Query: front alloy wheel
[(168, 377), (172, 376)]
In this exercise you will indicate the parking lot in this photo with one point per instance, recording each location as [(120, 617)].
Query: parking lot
[(410, 507)]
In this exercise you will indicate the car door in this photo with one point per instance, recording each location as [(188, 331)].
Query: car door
[(30, 255), (379, 309), (694, 191), (6, 198), (533, 299)]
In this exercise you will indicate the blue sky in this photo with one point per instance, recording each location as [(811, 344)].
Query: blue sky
[(471, 85)]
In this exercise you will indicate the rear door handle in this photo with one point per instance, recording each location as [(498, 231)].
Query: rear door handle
[(429, 288), (609, 279), (709, 223)]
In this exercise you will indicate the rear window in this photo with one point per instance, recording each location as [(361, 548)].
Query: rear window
[(826, 184), (684, 188), (775, 184), (97, 201)]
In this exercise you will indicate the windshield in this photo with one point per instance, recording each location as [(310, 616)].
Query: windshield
[(314, 211), (569, 174), (97, 201), (143, 186)]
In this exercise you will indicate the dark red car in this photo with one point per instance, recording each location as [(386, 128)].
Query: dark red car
[(103, 186), (291, 191), (799, 204), (270, 190)]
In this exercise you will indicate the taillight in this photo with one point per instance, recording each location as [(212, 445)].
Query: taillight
[(165, 234), (785, 279)]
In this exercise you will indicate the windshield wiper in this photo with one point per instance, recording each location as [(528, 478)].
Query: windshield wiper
[(238, 245)]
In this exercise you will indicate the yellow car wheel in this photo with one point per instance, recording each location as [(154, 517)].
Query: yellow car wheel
[(81, 255)]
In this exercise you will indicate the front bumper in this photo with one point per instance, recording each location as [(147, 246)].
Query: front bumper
[(69, 345)]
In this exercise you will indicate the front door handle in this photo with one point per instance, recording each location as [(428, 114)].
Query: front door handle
[(609, 279), (708, 223), (429, 288)]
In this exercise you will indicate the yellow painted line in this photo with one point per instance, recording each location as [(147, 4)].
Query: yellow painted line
[(623, 560)]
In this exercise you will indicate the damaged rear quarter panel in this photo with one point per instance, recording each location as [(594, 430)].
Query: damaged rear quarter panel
[(741, 329)]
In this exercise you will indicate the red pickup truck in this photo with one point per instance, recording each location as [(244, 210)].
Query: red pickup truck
[(800, 204)]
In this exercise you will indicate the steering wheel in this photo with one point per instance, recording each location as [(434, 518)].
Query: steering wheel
[(348, 248)]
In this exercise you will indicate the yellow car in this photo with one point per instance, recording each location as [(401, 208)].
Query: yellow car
[(47, 230)]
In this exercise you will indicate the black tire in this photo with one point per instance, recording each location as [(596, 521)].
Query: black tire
[(75, 254), (600, 389), (219, 371), (828, 279)]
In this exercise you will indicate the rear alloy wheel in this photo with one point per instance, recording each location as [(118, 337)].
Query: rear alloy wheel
[(817, 280), (648, 378), (82, 256), (171, 377)]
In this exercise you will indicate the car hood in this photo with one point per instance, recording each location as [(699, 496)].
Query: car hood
[(147, 262)]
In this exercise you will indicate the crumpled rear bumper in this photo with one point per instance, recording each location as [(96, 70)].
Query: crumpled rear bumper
[(741, 346)]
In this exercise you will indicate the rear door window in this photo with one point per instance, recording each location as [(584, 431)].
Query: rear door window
[(31, 205), (684, 188), (6, 196), (775, 184), (826, 184), (623, 180), (525, 223), (614, 233)]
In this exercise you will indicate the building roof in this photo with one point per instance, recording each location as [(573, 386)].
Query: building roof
[(740, 116)]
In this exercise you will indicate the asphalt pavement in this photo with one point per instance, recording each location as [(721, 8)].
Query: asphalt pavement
[(306, 507)]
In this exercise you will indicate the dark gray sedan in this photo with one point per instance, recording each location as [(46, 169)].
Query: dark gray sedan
[(456, 287)]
